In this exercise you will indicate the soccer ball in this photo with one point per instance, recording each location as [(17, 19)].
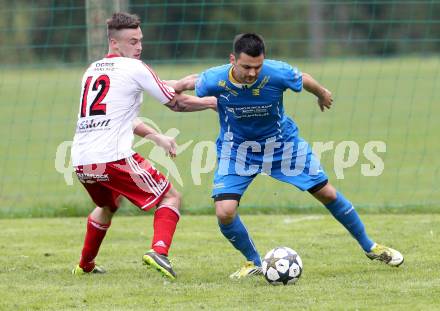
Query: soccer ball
[(282, 265)]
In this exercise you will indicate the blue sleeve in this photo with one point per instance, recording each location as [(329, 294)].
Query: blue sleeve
[(292, 78), (202, 86)]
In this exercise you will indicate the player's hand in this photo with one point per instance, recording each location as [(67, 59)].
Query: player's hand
[(167, 143), (325, 100)]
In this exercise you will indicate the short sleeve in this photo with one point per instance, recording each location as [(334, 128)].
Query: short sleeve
[(153, 85), (202, 88), (293, 78)]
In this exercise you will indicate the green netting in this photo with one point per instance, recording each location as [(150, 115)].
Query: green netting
[(379, 58)]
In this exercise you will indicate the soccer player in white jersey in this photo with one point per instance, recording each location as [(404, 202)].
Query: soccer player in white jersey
[(256, 136), (111, 96)]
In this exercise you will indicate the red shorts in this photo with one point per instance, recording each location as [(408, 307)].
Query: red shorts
[(133, 177)]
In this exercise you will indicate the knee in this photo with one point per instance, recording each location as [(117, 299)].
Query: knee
[(107, 210), (102, 214), (178, 200), (225, 215), (225, 219), (176, 196), (326, 195), (110, 209), (329, 196), (173, 198)]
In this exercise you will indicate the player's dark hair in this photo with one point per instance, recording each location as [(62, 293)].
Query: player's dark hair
[(122, 20), (248, 43)]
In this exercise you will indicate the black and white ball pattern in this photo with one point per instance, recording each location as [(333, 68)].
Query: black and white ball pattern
[(282, 265)]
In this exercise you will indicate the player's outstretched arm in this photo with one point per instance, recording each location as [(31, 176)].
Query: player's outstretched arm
[(325, 99), (188, 103), (166, 142), (185, 84)]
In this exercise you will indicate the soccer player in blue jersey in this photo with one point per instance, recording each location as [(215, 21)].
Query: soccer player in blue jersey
[(257, 137)]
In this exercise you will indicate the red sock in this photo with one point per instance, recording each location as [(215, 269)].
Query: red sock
[(94, 236), (165, 221)]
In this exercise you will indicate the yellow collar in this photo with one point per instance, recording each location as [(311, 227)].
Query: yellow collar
[(235, 82)]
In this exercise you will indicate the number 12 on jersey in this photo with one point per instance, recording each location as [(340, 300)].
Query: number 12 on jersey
[(97, 107)]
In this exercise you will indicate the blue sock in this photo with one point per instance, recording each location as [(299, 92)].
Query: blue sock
[(345, 213), (237, 234)]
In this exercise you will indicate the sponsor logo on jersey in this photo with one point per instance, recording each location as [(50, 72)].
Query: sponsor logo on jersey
[(92, 124), (222, 83), (250, 111), (104, 67), (225, 97)]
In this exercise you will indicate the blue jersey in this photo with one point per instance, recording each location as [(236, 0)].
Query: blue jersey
[(255, 112), (255, 134)]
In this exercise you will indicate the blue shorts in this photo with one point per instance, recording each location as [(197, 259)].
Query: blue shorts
[(292, 162)]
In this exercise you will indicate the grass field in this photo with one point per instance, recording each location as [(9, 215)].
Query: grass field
[(38, 254), (390, 100)]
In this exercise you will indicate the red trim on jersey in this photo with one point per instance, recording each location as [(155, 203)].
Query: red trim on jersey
[(164, 88), (161, 85), (112, 55)]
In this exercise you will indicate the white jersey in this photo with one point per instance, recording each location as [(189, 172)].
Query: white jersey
[(111, 96)]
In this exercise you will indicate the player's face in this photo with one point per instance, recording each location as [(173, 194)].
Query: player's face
[(128, 43), (246, 68)]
